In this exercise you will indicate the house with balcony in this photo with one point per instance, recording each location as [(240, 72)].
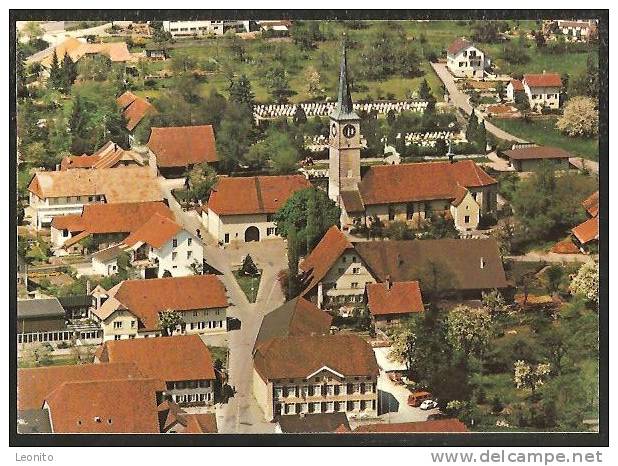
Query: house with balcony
[(465, 60), (132, 308), (183, 362), (297, 375), (66, 192)]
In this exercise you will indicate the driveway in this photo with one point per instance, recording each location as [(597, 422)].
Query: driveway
[(460, 100)]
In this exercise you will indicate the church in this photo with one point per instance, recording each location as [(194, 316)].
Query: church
[(413, 192)]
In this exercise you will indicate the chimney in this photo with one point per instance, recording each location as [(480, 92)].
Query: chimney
[(482, 262)]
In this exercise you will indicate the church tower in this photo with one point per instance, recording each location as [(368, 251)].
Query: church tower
[(344, 140)]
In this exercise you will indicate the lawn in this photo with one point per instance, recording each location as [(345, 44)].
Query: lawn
[(544, 132), (249, 285)]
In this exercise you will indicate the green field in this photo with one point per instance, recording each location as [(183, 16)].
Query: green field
[(544, 132), (249, 285)]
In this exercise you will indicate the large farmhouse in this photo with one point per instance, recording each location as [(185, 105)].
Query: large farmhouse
[(464, 60), (337, 271)]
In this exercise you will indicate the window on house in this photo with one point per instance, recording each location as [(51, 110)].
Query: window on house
[(189, 241), (174, 243), (117, 337), (174, 254), (391, 213), (356, 270), (132, 324), (354, 284), (118, 324), (189, 254), (226, 238), (467, 219)]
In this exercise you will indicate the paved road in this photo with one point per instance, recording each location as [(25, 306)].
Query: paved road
[(460, 99), (242, 414), (552, 257)]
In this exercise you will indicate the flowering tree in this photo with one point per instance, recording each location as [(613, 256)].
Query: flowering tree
[(580, 117), (469, 330), (494, 303), (528, 376), (586, 282), (169, 320)]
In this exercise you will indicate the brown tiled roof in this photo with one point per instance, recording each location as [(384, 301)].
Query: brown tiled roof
[(401, 298), (457, 45), (587, 231), (317, 264), (106, 406), (255, 194), (438, 426), (565, 246), (156, 232), (33, 385), (108, 156), (517, 85), (171, 359), (134, 108), (537, 152), (121, 184), (115, 51), (461, 258), (299, 357), (180, 146), (314, 423), (205, 423), (460, 195), (296, 317), (352, 201), (146, 298), (591, 204), (123, 217), (386, 184), (543, 80)]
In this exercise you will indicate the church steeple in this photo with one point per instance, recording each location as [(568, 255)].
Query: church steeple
[(344, 108)]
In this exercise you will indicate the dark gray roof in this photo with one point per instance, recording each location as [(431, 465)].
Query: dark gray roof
[(108, 254), (344, 110), (33, 421), (313, 423), (44, 307), (75, 301)]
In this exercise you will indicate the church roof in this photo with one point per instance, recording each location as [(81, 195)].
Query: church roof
[(344, 109)]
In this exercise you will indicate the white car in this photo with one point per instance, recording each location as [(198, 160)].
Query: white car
[(428, 404)]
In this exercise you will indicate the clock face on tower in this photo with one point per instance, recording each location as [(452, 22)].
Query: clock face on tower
[(333, 130), (349, 131)]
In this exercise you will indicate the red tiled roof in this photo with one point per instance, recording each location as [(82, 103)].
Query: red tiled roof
[(106, 406), (591, 204), (299, 357), (543, 80), (387, 184), (255, 194), (124, 217), (34, 384), (517, 85), (146, 298), (108, 156), (401, 298), (171, 359), (317, 264), (156, 232), (587, 231), (181, 146), (565, 247), (440, 425), (134, 108), (457, 45), (537, 152), (205, 423)]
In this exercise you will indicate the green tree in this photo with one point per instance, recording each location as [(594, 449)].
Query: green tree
[(248, 267), (277, 83), (183, 62), (300, 117), (424, 91), (469, 330), (169, 320), (296, 211), (56, 78), (241, 92), (234, 136), (69, 72), (202, 178), (94, 68), (472, 128)]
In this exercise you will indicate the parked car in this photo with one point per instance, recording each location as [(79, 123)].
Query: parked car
[(417, 398), (428, 404)]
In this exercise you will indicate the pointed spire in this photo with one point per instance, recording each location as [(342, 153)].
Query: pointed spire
[(344, 107)]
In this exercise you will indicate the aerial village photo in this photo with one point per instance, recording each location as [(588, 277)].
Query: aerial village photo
[(292, 226)]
